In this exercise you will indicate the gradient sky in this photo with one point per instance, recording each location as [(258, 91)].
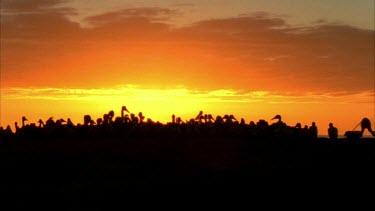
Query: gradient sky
[(306, 60)]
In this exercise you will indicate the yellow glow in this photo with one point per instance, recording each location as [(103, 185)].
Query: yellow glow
[(160, 104)]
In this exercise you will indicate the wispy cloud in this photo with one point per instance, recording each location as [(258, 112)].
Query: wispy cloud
[(181, 94)]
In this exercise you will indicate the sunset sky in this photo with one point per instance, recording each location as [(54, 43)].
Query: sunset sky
[(310, 60)]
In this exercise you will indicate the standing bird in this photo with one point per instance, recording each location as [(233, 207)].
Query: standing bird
[(173, 119), (87, 120), (69, 122), (366, 124), (277, 117), (210, 118), (41, 123), (50, 121), (332, 131), (141, 117), (60, 121), (111, 114), (23, 121), (313, 130), (123, 108), (199, 115)]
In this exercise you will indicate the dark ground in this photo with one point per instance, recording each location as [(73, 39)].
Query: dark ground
[(76, 170)]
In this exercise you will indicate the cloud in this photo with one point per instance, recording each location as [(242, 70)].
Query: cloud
[(250, 52), (132, 92), (29, 6), (151, 14)]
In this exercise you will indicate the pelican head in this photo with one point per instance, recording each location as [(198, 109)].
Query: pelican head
[(277, 117), (124, 109)]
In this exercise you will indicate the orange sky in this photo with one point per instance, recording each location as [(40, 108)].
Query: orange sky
[(253, 65)]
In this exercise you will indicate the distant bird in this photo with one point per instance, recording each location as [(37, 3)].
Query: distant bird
[(111, 114), (41, 123), (219, 119), (179, 121), (105, 119), (123, 108), (23, 121), (199, 115), (134, 118), (92, 122), (332, 131), (69, 122), (173, 119), (210, 118), (141, 117), (366, 124), (298, 126), (313, 130), (242, 121), (87, 120), (50, 121), (60, 121), (229, 118), (278, 117), (99, 121)]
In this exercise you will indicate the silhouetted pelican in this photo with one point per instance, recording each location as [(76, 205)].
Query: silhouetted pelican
[(179, 121), (199, 115), (69, 122), (111, 114), (50, 121), (99, 121), (105, 119), (23, 121), (210, 118), (60, 121), (332, 131), (366, 124), (141, 117), (173, 119), (41, 123), (87, 120), (277, 117), (123, 108)]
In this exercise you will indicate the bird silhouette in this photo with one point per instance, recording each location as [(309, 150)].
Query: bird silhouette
[(69, 122), (278, 117), (87, 120), (332, 131), (210, 118), (111, 114), (99, 121), (313, 130), (41, 123), (199, 115), (366, 124), (23, 121), (123, 108), (141, 117), (50, 121), (173, 119)]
